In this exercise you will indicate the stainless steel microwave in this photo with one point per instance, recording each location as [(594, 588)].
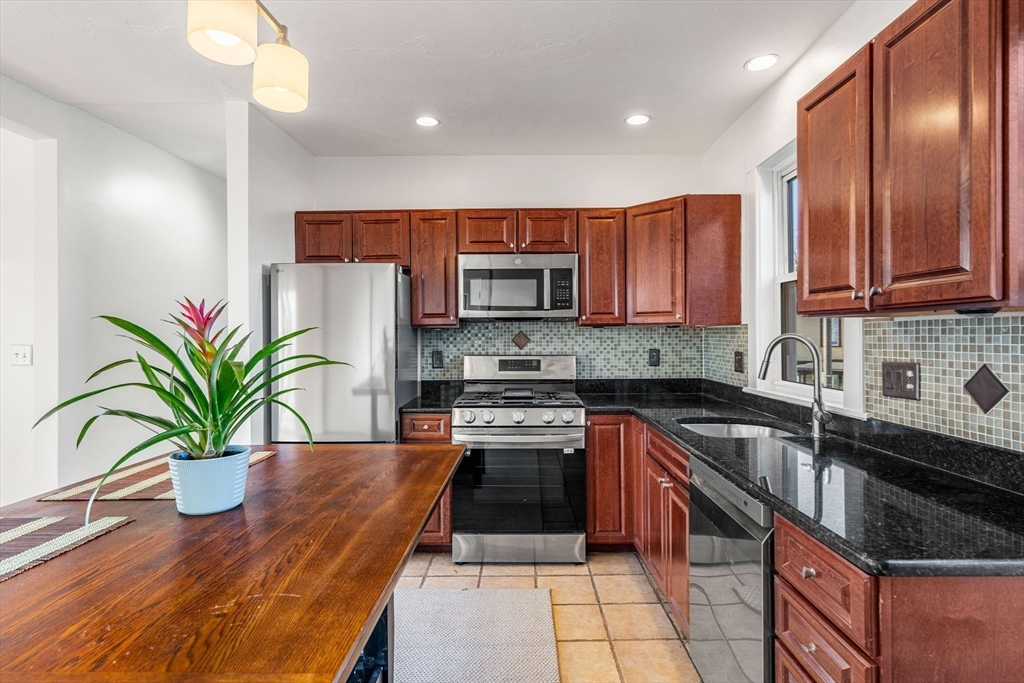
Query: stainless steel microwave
[(495, 286)]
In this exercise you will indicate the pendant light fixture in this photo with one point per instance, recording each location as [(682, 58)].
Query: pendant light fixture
[(225, 31)]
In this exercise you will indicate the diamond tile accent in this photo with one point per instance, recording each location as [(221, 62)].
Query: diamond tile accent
[(985, 388), (521, 340)]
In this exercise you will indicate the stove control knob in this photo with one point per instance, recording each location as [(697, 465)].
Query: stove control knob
[(518, 417), (468, 416), (568, 416), (548, 417), (487, 416)]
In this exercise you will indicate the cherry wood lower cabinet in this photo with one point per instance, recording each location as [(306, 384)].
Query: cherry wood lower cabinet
[(609, 481), (654, 519), (638, 463), (432, 428), (435, 290), (602, 267)]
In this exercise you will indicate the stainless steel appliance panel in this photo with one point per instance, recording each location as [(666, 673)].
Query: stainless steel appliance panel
[(516, 286), (543, 548), (362, 315)]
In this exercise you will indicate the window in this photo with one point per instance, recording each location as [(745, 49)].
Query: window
[(827, 333)]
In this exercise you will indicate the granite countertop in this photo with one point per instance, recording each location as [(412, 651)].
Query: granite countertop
[(886, 514)]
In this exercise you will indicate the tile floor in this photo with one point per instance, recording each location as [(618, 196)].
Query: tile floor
[(611, 624)]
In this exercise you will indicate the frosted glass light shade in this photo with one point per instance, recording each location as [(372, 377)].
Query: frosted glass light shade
[(280, 78), (224, 30)]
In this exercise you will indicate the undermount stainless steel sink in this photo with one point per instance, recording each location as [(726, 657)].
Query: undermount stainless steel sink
[(724, 430)]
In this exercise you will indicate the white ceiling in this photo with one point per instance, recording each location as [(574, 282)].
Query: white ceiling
[(547, 77)]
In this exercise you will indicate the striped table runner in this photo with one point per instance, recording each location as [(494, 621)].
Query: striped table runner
[(26, 542), (150, 480)]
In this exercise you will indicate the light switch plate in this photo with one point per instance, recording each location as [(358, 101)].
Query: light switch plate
[(436, 359), (21, 354), (654, 357), (901, 380), (738, 364)]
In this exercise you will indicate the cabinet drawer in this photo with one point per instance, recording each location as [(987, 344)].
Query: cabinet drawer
[(672, 457), (422, 427), (786, 668), (821, 651), (845, 594)]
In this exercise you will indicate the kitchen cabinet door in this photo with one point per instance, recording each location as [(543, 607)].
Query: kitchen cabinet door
[(609, 483), (435, 428), (547, 231), (637, 457), (602, 267), (712, 227), (654, 519), (381, 237), (438, 531), (486, 231), (938, 225), (654, 263), (677, 534), (834, 169), (435, 291), (323, 237)]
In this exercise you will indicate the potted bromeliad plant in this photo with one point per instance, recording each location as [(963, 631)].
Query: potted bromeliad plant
[(209, 392)]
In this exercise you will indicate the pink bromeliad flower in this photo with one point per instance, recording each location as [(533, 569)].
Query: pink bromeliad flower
[(199, 325)]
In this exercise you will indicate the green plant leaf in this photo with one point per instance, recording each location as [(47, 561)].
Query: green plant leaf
[(163, 393), (152, 341), (111, 366), (309, 434), (247, 394), (272, 348), (85, 428)]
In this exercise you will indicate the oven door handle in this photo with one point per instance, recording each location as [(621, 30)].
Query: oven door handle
[(476, 439)]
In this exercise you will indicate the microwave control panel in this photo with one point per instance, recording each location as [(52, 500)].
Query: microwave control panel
[(561, 289)]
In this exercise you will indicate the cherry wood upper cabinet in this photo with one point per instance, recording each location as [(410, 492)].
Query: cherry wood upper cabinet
[(654, 263), (833, 139), (485, 231), (381, 237), (602, 267), (609, 481), (434, 278), (547, 231), (712, 225), (323, 237), (938, 209)]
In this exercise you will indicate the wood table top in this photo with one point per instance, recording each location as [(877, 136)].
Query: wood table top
[(285, 587)]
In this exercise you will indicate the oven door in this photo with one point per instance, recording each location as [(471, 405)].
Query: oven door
[(517, 286), (520, 505)]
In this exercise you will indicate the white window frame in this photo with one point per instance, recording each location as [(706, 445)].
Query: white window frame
[(770, 264)]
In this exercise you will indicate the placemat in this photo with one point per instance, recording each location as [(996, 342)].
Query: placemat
[(149, 480), (26, 542)]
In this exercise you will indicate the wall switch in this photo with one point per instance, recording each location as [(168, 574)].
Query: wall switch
[(901, 380), (21, 354), (738, 364), (654, 357), (436, 359)]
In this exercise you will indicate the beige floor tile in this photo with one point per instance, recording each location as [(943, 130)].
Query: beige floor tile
[(508, 570), (568, 590), (655, 661), (442, 565), (587, 662), (450, 582), (614, 563), (620, 588), (579, 622), (409, 582), (638, 622), (562, 570), (507, 582), (417, 564)]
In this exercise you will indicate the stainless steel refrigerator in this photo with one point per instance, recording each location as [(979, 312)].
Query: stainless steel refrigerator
[(363, 315)]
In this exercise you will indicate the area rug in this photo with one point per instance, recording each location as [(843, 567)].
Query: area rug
[(500, 635), (26, 542), (149, 480)]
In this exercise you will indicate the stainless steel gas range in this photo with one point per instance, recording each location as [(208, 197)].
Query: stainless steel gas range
[(520, 493)]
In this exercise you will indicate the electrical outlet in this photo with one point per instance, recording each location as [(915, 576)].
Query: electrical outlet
[(21, 354), (738, 362), (436, 359), (901, 380), (654, 357)]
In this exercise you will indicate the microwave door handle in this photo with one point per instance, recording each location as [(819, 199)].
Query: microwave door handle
[(547, 289)]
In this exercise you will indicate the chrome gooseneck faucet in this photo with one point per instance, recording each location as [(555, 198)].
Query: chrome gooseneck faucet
[(819, 416)]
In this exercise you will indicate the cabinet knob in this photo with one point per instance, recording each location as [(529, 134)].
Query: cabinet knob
[(584, 317), (666, 484), (875, 291), (346, 260), (356, 260), (808, 573), (451, 317), (857, 294), (588, 423), (511, 246), (809, 647), (679, 316), (426, 427)]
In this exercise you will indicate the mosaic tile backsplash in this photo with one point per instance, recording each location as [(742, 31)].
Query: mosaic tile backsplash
[(950, 351), (720, 345)]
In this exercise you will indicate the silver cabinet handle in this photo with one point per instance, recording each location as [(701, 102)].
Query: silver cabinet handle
[(666, 484), (809, 647), (875, 291), (808, 573), (426, 427), (856, 294)]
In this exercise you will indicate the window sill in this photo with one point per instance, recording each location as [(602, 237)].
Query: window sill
[(806, 402)]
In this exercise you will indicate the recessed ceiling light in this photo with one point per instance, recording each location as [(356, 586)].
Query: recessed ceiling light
[(637, 119), (427, 121), (761, 63)]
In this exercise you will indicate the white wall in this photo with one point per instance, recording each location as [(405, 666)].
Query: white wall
[(501, 181), (137, 229), (270, 177)]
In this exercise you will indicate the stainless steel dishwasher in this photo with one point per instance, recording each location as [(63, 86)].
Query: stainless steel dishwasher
[(730, 581)]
